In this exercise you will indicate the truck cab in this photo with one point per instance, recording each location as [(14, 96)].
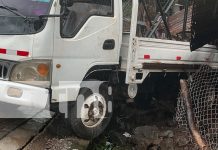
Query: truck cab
[(47, 44), (74, 53)]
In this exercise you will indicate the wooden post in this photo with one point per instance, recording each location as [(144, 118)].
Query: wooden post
[(190, 117)]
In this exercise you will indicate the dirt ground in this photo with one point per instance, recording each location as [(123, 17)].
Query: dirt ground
[(57, 136), (144, 130), (130, 129), (146, 124)]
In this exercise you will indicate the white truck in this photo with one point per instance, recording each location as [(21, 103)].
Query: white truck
[(50, 48)]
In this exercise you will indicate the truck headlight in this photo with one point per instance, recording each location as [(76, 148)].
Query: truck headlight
[(34, 72)]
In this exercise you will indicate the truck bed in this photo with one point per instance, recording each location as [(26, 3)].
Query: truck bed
[(140, 56)]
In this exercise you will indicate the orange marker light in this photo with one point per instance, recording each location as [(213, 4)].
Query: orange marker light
[(43, 70)]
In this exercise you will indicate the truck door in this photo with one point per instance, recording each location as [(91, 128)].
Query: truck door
[(89, 35)]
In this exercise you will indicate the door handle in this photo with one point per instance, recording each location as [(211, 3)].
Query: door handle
[(109, 44)]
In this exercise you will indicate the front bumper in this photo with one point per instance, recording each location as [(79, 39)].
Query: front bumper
[(31, 96)]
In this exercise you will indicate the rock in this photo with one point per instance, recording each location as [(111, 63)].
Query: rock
[(140, 143), (167, 134), (149, 132), (145, 143), (182, 141), (153, 147), (167, 144)]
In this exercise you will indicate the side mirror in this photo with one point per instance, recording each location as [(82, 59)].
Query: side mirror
[(67, 3)]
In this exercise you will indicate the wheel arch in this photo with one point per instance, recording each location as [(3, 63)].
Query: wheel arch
[(102, 72)]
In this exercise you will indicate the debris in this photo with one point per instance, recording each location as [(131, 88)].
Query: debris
[(126, 134), (117, 138)]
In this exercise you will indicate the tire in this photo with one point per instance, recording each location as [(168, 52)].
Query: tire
[(93, 113)]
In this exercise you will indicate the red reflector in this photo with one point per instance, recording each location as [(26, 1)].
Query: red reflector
[(22, 53), (2, 51), (178, 58), (147, 57)]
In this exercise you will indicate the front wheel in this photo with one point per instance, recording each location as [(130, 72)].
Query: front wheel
[(92, 113)]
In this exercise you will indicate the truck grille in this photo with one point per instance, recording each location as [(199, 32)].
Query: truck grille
[(5, 68)]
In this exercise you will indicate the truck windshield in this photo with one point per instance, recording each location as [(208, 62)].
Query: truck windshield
[(22, 16)]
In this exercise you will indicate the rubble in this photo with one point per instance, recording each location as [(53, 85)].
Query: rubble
[(156, 136), (151, 128), (149, 132), (165, 139)]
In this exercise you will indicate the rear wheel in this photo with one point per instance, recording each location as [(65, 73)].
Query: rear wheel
[(92, 113)]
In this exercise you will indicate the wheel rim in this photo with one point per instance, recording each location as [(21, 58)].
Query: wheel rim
[(93, 110)]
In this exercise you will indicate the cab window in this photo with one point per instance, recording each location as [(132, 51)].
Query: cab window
[(80, 12)]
